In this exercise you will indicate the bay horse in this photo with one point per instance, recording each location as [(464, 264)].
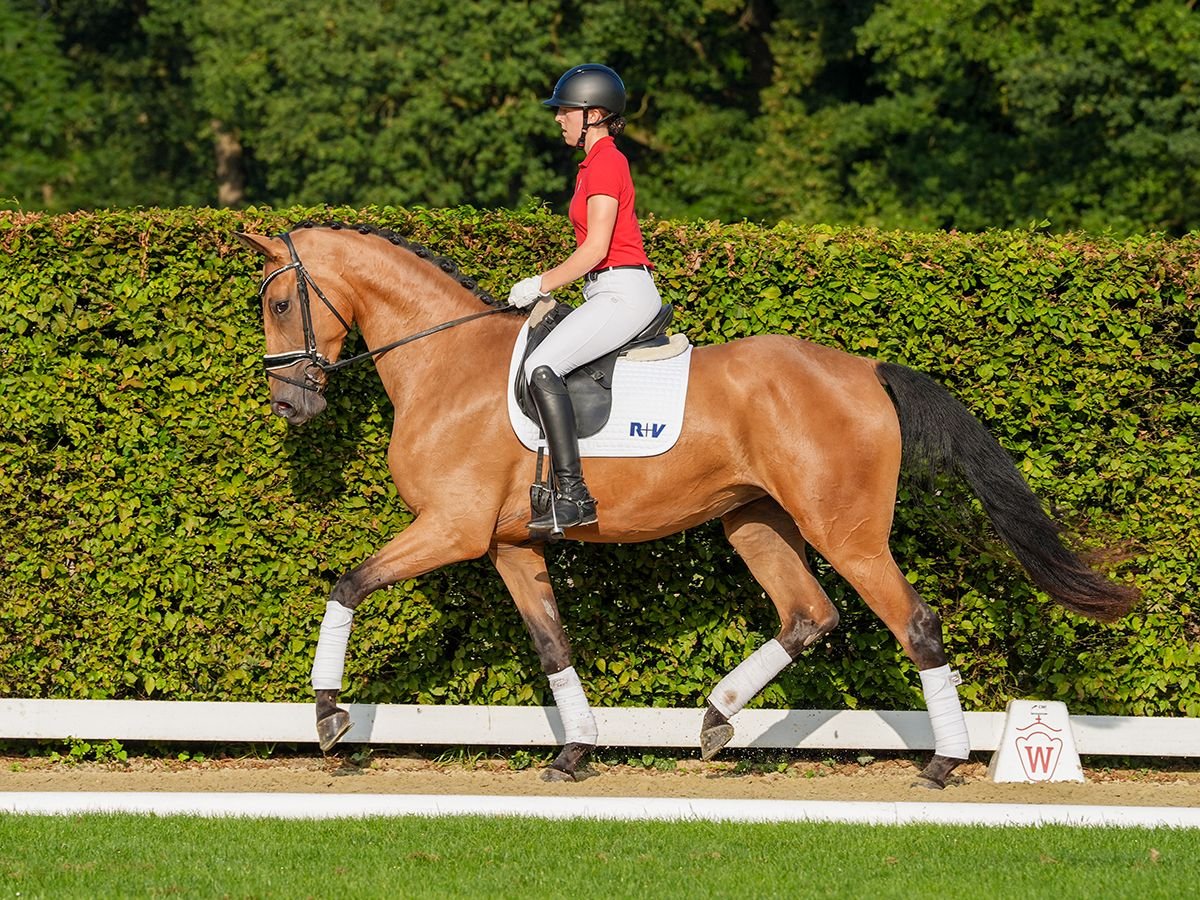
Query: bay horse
[(790, 444)]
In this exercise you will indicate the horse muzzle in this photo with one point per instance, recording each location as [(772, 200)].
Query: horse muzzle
[(297, 405), (298, 410), (297, 396)]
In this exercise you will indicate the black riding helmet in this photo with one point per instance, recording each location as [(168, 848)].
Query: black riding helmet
[(589, 85), (586, 87)]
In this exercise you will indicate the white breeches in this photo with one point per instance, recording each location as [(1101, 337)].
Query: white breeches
[(617, 305)]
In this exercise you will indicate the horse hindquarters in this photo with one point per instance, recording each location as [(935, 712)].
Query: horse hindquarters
[(834, 459), (770, 544), (806, 615)]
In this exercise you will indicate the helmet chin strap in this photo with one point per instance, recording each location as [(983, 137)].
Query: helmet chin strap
[(586, 125)]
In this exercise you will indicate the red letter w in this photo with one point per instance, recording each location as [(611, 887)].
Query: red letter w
[(1039, 758)]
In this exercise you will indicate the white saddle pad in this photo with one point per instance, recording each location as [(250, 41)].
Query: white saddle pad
[(647, 406)]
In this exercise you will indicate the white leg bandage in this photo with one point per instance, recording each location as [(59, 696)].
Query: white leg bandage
[(738, 688), (945, 712), (573, 707), (331, 647)]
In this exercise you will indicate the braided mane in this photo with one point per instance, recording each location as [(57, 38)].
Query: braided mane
[(447, 265)]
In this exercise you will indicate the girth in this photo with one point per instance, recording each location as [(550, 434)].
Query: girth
[(590, 385)]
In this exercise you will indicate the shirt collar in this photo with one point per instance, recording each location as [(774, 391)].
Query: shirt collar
[(607, 140)]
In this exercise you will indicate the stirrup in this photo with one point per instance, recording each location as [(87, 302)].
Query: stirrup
[(566, 512)]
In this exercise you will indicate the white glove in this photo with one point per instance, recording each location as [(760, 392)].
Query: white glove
[(526, 292)]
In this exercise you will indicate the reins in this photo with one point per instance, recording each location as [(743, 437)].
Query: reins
[(274, 361)]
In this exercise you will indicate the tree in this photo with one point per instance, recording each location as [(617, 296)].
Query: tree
[(356, 102), (36, 109), (695, 70), (100, 107), (978, 113), (918, 114), (434, 103)]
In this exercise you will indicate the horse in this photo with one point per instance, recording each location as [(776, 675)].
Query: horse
[(789, 443)]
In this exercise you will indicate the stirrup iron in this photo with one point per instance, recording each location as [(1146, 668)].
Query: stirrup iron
[(566, 511)]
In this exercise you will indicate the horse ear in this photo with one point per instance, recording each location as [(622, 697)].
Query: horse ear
[(267, 246)]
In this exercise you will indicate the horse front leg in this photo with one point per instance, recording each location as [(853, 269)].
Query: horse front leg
[(425, 545), (523, 569)]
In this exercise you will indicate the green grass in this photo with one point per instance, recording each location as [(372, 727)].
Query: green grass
[(133, 856)]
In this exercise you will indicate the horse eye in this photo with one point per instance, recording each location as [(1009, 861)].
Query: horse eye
[(279, 307)]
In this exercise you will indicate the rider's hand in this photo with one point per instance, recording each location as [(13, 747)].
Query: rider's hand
[(526, 292)]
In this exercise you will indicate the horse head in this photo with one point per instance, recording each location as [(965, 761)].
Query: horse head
[(307, 318), (304, 334)]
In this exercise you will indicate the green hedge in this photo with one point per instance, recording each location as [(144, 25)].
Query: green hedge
[(165, 537)]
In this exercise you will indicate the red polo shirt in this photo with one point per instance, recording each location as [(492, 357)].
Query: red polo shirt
[(605, 170)]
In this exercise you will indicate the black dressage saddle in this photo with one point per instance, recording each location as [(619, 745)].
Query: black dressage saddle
[(590, 385)]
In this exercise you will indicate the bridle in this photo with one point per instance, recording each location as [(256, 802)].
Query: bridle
[(272, 362)]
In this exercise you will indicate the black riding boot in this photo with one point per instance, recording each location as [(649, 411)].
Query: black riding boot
[(572, 504)]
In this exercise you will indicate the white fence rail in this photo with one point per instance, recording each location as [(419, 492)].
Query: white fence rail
[(539, 726)]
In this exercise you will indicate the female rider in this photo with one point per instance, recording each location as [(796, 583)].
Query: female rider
[(620, 298)]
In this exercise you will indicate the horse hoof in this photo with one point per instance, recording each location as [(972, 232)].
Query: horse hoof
[(556, 775), (713, 739), (566, 765), (331, 728), (933, 776)]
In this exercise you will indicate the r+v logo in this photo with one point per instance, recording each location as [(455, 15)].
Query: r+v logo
[(646, 429)]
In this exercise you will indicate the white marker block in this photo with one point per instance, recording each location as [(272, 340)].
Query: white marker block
[(1037, 744)]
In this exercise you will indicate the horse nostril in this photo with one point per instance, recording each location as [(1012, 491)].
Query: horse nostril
[(281, 407)]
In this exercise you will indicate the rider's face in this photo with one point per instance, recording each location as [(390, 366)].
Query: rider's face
[(571, 123)]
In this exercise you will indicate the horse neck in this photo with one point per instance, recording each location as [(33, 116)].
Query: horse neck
[(407, 295)]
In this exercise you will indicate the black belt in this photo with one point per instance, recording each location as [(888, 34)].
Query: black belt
[(591, 276)]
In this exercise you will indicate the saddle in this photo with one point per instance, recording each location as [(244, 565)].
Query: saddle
[(590, 386)]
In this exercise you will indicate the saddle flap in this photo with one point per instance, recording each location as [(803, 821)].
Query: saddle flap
[(590, 386)]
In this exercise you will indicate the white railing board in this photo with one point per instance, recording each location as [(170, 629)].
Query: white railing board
[(539, 726), (1136, 735)]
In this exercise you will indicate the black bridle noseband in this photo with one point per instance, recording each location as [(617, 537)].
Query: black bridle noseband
[(275, 361)]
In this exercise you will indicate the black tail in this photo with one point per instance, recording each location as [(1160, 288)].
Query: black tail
[(938, 432)]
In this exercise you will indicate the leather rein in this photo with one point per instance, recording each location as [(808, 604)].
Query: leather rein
[(316, 361)]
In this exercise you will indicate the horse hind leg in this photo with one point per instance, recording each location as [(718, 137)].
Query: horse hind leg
[(873, 573), (769, 542), (523, 569)]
